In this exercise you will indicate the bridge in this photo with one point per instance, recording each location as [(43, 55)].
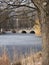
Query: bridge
[(18, 31), (25, 31)]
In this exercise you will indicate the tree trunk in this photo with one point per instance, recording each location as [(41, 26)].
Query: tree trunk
[(45, 37), (44, 19)]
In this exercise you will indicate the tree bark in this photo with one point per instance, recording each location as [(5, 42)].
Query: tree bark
[(44, 20), (45, 37), (45, 46)]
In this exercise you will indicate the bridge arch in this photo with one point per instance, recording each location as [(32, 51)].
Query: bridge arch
[(23, 31), (32, 32)]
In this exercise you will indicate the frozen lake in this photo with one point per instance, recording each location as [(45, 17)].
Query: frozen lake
[(19, 39)]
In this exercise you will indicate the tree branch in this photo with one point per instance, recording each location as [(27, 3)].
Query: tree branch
[(35, 4), (17, 6)]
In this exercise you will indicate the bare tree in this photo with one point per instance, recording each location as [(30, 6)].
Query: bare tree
[(43, 8), (12, 9)]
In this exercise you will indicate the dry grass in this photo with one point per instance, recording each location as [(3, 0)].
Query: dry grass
[(35, 59)]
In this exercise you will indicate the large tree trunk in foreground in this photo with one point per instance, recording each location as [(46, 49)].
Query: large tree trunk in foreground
[(44, 19), (45, 36)]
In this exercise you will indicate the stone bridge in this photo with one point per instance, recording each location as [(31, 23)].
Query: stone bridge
[(30, 30), (24, 30)]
